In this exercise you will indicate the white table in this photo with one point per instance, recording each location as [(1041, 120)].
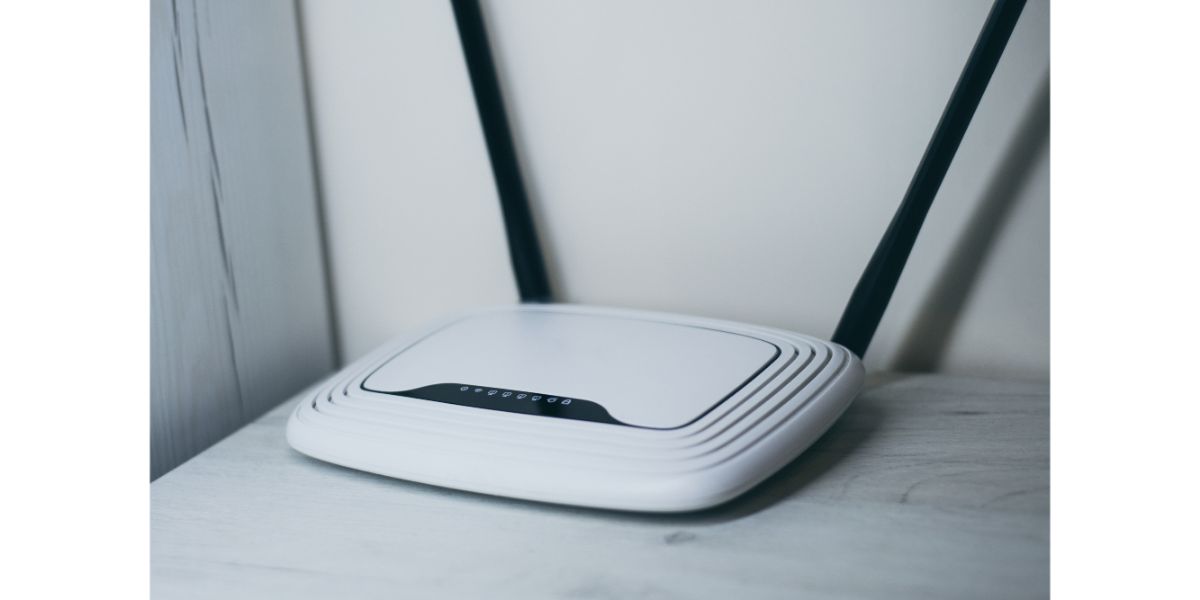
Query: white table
[(929, 487)]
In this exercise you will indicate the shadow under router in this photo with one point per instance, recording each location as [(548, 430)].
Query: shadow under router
[(613, 408)]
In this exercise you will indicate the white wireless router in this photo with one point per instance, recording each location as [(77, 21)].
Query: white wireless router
[(588, 406), (612, 408)]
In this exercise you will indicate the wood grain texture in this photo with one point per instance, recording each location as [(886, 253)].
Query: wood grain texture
[(929, 487), (239, 307)]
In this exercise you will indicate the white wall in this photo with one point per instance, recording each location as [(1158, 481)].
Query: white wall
[(724, 158)]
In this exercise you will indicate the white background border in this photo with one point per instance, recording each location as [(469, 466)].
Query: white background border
[(74, 230), (74, 233), (1124, 196)]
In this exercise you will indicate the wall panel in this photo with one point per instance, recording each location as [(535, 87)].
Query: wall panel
[(240, 318)]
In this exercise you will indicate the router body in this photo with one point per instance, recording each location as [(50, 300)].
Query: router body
[(606, 408)]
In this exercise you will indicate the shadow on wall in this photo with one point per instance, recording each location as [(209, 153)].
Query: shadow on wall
[(925, 343)]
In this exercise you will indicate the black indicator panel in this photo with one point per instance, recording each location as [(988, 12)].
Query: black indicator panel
[(513, 401)]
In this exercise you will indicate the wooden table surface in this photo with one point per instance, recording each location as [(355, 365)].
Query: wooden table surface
[(928, 487)]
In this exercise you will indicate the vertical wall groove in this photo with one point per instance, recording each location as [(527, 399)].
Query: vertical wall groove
[(318, 187)]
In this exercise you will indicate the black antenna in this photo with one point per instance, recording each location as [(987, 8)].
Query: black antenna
[(528, 266), (874, 289)]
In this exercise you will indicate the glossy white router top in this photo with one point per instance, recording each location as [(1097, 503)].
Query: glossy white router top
[(645, 373)]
